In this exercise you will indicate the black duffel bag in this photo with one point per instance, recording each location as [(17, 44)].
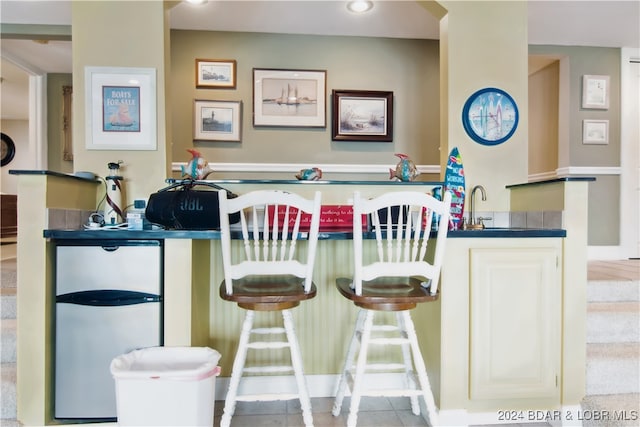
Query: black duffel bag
[(182, 207)]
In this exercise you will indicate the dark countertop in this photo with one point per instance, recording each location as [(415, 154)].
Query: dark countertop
[(319, 182), (554, 180), (109, 234), (53, 173)]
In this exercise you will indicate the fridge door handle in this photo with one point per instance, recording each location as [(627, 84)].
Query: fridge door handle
[(107, 298)]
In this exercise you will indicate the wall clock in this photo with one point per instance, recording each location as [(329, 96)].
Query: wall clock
[(8, 149), (490, 116)]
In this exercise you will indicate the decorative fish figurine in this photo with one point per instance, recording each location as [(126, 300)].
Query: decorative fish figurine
[(405, 170), (197, 168), (312, 174)]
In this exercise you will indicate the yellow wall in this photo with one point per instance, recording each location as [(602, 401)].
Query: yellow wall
[(486, 46), (544, 87), (120, 34), (472, 32)]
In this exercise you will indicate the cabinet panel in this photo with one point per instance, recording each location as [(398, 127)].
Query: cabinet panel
[(514, 323), (114, 265)]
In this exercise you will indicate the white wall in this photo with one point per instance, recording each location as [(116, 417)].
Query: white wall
[(630, 154), (24, 159)]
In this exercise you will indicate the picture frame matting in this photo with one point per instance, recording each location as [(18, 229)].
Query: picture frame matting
[(595, 92), (595, 132), (289, 98), (120, 108), (217, 120)]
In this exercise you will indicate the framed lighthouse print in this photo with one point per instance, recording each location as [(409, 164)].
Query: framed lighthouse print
[(490, 116), (217, 120)]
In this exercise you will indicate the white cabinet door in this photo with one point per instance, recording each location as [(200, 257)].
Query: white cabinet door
[(515, 296)]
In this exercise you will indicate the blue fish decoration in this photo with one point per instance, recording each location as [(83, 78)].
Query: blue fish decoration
[(312, 174), (405, 170)]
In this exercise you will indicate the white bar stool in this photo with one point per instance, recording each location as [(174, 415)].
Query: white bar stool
[(268, 274), (405, 273)]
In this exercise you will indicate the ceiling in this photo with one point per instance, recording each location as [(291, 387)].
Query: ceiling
[(569, 23)]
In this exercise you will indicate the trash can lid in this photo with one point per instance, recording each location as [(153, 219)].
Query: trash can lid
[(176, 363)]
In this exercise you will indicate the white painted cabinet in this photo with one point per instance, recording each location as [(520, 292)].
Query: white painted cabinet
[(515, 323)]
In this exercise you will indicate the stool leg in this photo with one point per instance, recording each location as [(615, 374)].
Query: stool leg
[(356, 393), (408, 364), (351, 354), (422, 371), (236, 372), (296, 362)]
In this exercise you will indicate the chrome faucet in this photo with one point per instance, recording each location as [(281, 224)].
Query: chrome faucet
[(473, 223)]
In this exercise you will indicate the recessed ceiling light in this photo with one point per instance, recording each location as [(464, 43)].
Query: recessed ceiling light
[(359, 6), (197, 1)]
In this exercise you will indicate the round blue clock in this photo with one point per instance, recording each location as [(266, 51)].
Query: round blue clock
[(490, 116)]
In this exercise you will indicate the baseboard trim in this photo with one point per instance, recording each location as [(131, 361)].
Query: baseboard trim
[(604, 253), (588, 170), (326, 386)]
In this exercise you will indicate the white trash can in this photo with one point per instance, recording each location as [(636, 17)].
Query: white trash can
[(166, 386)]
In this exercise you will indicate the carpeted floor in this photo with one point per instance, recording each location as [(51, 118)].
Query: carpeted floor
[(614, 410), (8, 273)]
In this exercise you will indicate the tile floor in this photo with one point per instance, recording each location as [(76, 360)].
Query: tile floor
[(388, 412), (374, 412)]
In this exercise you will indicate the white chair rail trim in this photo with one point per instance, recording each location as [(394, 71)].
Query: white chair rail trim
[(295, 167), (588, 170)]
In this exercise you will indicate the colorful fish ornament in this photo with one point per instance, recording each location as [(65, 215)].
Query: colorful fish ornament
[(312, 174), (405, 170), (197, 168)]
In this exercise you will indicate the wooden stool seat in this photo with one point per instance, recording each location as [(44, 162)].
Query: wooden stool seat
[(387, 293), (268, 293)]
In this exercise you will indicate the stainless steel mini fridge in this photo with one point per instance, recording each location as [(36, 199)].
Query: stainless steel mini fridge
[(108, 302)]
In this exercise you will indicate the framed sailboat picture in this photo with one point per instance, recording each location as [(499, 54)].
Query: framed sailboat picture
[(289, 98)]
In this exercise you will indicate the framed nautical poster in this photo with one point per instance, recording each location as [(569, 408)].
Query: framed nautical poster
[(121, 108), (217, 120), (362, 115), (289, 98), (215, 73)]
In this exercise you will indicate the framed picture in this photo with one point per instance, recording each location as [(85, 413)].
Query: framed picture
[(595, 132), (217, 120), (121, 108), (362, 115), (215, 73), (595, 92), (289, 98)]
